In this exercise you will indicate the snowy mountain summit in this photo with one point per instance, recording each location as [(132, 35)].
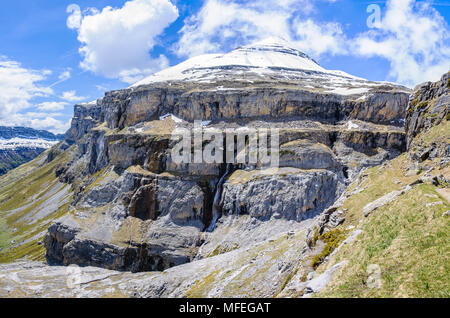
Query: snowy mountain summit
[(12, 138), (21, 144), (268, 57), (272, 59)]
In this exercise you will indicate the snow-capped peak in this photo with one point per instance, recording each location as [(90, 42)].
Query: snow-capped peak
[(271, 41), (260, 57), (12, 138), (278, 45), (30, 143), (272, 57)]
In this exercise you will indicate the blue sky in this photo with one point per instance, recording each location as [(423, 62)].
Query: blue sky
[(56, 53)]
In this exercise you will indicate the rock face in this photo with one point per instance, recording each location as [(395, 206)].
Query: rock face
[(135, 209), (428, 111), (288, 193), (20, 144)]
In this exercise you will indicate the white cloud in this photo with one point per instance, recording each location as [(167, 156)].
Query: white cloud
[(49, 123), (52, 106), (223, 25), (74, 19), (317, 39), (37, 121), (116, 41), (71, 96), (64, 76), (18, 86), (414, 38), (33, 115)]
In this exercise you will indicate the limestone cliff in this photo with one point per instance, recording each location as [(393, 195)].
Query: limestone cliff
[(136, 210)]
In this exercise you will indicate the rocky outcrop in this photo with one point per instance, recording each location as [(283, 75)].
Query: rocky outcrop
[(428, 113), (287, 193), (140, 224)]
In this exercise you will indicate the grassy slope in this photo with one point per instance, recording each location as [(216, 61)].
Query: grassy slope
[(4, 235), (409, 240), (27, 207)]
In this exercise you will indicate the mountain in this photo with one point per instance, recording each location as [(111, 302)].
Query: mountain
[(271, 57), (20, 144), (348, 190)]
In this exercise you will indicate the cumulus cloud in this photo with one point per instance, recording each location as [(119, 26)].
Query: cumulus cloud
[(52, 106), (413, 37), (116, 41), (317, 39), (223, 25), (18, 86), (38, 121), (71, 96), (74, 19), (48, 123)]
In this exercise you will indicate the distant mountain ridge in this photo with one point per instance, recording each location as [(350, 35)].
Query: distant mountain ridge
[(19, 145), (27, 132)]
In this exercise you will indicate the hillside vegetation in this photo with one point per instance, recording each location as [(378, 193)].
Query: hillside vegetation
[(31, 198)]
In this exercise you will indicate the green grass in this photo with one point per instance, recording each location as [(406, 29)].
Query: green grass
[(422, 105), (411, 244), (438, 132), (200, 286), (288, 279), (24, 192), (332, 240), (4, 235), (223, 249)]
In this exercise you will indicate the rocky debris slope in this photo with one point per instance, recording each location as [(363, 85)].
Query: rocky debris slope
[(20, 144)]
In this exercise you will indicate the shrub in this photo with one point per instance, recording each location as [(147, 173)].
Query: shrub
[(332, 240)]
